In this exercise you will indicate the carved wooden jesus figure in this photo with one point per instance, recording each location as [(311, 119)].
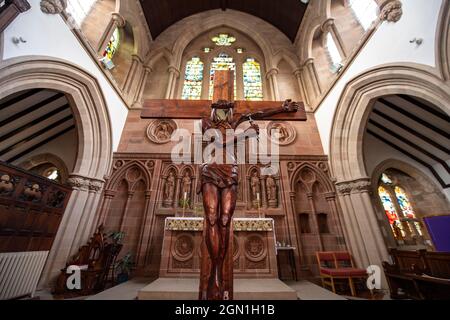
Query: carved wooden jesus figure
[(219, 185)]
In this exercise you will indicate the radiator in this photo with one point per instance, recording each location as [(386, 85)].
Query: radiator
[(20, 273)]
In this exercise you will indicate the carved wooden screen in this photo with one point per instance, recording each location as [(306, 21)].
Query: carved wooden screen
[(31, 209)]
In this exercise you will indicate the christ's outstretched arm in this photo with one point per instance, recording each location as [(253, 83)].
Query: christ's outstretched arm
[(288, 106)]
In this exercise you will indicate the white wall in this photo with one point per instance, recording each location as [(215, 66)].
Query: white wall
[(48, 35), (389, 44)]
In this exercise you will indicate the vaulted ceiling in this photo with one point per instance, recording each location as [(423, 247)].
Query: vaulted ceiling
[(286, 15)]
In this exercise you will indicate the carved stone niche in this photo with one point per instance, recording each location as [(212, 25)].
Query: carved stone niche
[(160, 131), (286, 131)]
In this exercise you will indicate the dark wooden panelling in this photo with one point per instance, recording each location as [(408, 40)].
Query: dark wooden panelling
[(286, 15), (31, 209)]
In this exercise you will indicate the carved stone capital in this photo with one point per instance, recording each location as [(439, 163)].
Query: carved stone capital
[(174, 70), (391, 11), (79, 183), (356, 186), (96, 186), (53, 6), (119, 19), (85, 184), (327, 25), (271, 73)]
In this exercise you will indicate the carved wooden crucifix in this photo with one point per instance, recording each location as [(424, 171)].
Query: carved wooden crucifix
[(223, 90), (219, 180)]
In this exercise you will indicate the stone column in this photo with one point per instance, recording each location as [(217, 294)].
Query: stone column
[(75, 226), (328, 26), (177, 195), (141, 87), (173, 76), (206, 80), (316, 229), (314, 89), (239, 81), (108, 196), (364, 234), (125, 210), (331, 199), (140, 258), (273, 83), (117, 21), (264, 192), (132, 80), (301, 87)]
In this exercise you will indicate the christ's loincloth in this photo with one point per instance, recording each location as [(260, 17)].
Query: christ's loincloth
[(221, 175)]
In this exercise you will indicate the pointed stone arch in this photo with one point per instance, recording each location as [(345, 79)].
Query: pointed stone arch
[(95, 147)]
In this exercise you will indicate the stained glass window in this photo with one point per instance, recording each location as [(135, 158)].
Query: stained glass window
[(224, 40), (252, 80), (79, 9), (333, 50), (407, 208), (404, 203), (113, 45), (365, 11), (221, 62), (192, 89), (391, 213)]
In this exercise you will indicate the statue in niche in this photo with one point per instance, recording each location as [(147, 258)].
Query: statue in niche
[(272, 193), (169, 190), (255, 185), (186, 184)]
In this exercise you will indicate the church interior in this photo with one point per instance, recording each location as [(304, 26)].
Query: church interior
[(95, 93)]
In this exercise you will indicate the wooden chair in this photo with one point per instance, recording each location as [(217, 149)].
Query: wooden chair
[(95, 260), (338, 266)]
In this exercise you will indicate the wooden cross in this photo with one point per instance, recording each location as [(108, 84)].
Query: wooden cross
[(223, 90)]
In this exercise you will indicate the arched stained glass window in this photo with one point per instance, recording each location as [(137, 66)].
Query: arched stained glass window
[(193, 79), (113, 45), (221, 62), (333, 50), (407, 209), (391, 213), (365, 11), (79, 9), (252, 80)]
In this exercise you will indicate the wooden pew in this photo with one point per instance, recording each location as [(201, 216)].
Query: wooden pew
[(418, 275)]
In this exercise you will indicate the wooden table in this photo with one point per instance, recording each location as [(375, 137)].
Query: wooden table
[(291, 260)]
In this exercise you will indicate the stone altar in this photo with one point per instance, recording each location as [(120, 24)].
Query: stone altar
[(254, 252)]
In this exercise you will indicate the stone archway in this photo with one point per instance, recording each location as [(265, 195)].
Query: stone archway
[(346, 151), (94, 152), (47, 158)]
